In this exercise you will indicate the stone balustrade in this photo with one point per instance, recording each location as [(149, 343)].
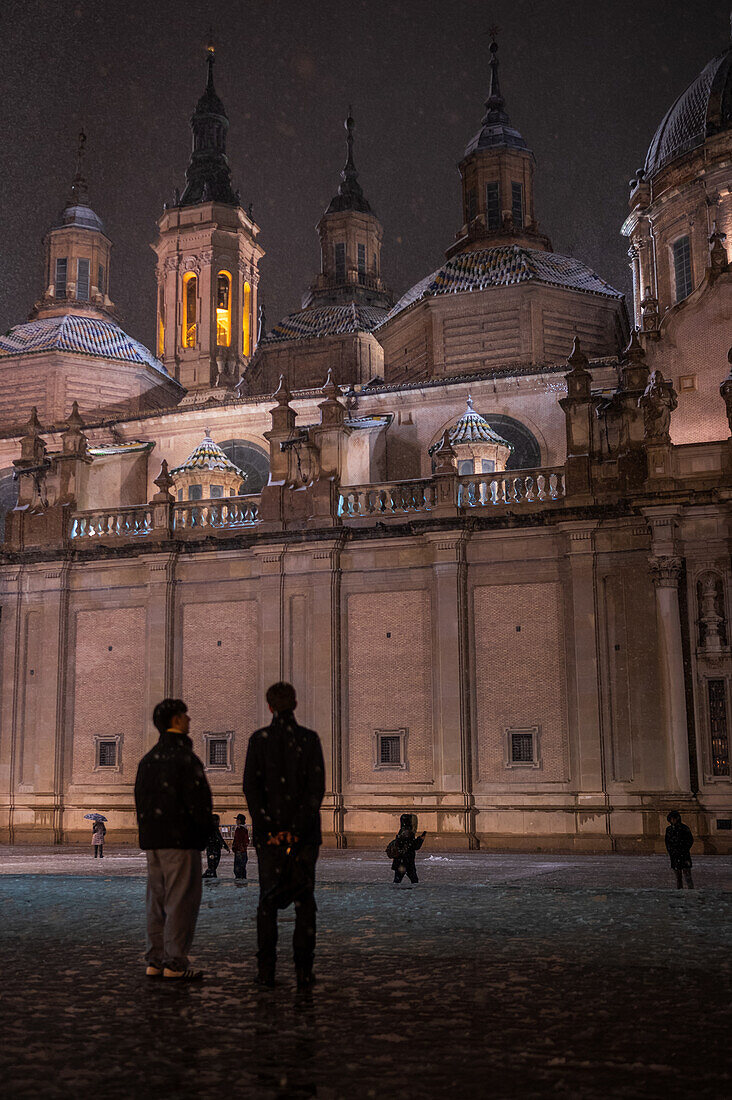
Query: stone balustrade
[(397, 498), (513, 488), (219, 514), (112, 523)]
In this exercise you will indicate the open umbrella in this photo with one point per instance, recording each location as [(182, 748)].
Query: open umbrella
[(94, 817)]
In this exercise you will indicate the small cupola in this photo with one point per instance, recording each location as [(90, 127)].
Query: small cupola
[(207, 473), (77, 255), (479, 449)]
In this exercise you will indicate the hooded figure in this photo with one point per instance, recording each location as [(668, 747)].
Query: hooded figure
[(678, 845), (407, 843)]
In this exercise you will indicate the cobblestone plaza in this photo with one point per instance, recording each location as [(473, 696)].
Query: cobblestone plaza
[(510, 976)]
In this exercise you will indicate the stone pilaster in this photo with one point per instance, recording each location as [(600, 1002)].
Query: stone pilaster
[(666, 572), (583, 681), (160, 633), (11, 594), (451, 663)]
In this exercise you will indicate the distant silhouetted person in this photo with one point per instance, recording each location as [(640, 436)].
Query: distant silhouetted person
[(98, 833), (284, 784), (173, 801), (678, 845), (239, 847), (404, 845), (214, 844)]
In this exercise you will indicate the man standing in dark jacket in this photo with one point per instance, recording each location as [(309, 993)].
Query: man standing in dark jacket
[(284, 784), (679, 840), (173, 802)]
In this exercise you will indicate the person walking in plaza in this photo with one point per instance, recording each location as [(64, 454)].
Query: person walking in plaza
[(214, 844), (173, 802), (284, 785), (239, 847), (679, 840), (99, 832), (403, 846)]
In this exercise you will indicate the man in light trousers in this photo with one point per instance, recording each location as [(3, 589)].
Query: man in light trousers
[(173, 802)]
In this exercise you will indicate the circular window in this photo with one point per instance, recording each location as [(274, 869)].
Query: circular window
[(250, 458)]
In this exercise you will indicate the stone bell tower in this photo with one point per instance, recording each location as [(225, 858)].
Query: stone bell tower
[(207, 269)]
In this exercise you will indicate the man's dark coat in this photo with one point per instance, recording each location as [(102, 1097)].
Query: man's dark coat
[(679, 840), (284, 780), (172, 796)]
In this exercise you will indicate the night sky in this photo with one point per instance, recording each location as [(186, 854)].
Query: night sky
[(585, 83)]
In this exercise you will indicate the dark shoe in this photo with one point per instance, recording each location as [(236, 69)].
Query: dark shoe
[(182, 975), (265, 978), (305, 980)]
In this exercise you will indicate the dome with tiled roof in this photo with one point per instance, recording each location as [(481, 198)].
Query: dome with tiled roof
[(702, 110), (473, 428), (208, 456), (81, 335), (506, 265), (330, 320)]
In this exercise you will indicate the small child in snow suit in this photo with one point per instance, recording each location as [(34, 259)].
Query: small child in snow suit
[(679, 840), (239, 847), (405, 844), (214, 845), (98, 833)]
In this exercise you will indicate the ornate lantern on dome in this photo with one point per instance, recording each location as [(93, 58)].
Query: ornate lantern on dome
[(478, 448)]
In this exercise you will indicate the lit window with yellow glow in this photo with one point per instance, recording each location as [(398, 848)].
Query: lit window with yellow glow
[(190, 301), (161, 325), (223, 309), (246, 343)]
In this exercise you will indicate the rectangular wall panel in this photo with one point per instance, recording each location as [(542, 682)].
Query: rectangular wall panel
[(221, 676), (389, 682), (109, 678), (520, 680)]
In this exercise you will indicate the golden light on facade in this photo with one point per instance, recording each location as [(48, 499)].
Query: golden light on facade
[(223, 309)]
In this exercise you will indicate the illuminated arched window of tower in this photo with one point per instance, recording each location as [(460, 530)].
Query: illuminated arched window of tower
[(161, 324), (223, 309), (190, 295), (246, 343)]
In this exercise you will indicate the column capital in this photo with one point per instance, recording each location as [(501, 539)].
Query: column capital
[(665, 570)]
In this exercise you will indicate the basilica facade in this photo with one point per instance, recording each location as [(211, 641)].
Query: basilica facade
[(483, 526)]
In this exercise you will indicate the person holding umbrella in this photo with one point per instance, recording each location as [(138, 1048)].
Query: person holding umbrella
[(99, 832)]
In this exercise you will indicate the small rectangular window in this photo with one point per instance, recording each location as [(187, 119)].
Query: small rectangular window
[(362, 263), (60, 280), (522, 747), (492, 206), (107, 751), (82, 280), (517, 204), (390, 749), (195, 492), (465, 466), (717, 690), (216, 491), (682, 268), (218, 752), (488, 465), (687, 382), (340, 263), (100, 280)]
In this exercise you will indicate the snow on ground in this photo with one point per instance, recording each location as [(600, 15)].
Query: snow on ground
[(498, 976)]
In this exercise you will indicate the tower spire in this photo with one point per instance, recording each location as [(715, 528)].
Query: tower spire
[(495, 103), (350, 193), (208, 175)]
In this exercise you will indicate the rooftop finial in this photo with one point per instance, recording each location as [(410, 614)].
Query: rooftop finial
[(350, 194), (79, 190), (210, 57), (349, 172), (495, 102)]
